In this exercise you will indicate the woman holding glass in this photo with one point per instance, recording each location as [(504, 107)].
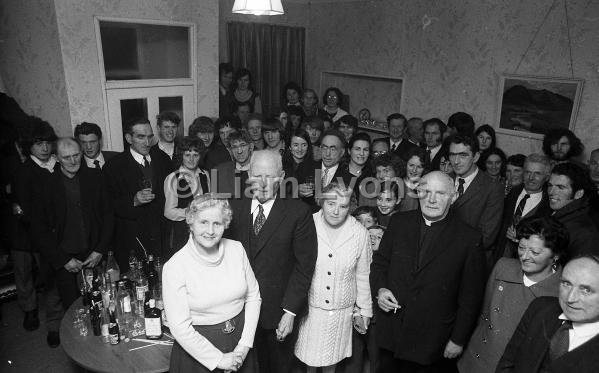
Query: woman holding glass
[(339, 297), (211, 295), (512, 286), (181, 186)]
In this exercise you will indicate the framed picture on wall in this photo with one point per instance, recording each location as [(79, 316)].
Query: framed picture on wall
[(530, 106)]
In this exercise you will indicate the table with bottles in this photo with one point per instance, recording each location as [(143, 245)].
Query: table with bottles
[(118, 323)]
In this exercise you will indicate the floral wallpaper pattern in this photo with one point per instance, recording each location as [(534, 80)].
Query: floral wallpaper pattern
[(452, 53), (30, 61)]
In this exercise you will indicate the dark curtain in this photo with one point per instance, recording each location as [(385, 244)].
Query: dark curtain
[(274, 54)]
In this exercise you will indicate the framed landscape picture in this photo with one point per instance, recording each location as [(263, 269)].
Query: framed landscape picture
[(530, 106)]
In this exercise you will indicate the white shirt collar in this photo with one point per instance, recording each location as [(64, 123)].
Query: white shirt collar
[(140, 158), (267, 206), (467, 180), (47, 165), (239, 167), (331, 172), (99, 158), (167, 147), (396, 143)]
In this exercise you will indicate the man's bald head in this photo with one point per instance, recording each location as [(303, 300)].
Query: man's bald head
[(68, 153), (265, 174), (436, 191)]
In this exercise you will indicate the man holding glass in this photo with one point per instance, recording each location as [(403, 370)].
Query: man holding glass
[(135, 180)]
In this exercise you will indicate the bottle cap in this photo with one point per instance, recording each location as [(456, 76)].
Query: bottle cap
[(152, 303)]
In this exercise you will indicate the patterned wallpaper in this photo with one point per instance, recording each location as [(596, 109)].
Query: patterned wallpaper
[(452, 53), (30, 61), (80, 54)]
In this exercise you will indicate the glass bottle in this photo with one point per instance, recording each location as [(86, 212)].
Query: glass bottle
[(112, 268), (152, 274), (152, 321), (105, 326), (113, 326), (124, 314)]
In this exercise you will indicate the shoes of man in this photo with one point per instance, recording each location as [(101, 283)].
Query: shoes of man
[(31, 321), (53, 339)]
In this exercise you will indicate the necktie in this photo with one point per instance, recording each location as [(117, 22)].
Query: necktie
[(520, 209), (260, 220), (97, 164), (325, 176), (146, 163), (560, 342), (393, 147), (461, 186)]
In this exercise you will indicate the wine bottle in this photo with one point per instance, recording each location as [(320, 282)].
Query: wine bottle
[(152, 319)]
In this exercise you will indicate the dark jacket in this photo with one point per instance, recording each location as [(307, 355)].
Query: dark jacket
[(440, 299), (528, 346), (583, 233), (283, 256), (96, 209), (29, 193), (481, 207), (403, 149), (146, 222), (505, 247), (108, 155)]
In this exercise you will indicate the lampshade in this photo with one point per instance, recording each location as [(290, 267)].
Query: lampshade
[(258, 7)]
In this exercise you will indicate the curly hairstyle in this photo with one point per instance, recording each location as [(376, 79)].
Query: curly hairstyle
[(553, 136), (554, 234)]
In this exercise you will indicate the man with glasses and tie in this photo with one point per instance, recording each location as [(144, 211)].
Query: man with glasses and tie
[(89, 136), (480, 199), (135, 182), (280, 239), (560, 334), (526, 200)]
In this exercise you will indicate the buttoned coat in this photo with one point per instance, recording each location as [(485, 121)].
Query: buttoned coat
[(506, 300)]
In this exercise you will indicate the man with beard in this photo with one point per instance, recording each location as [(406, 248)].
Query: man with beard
[(562, 145)]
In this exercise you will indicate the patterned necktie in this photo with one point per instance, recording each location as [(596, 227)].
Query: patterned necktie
[(394, 147), (560, 342), (461, 186), (97, 164), (520, 209), (325, 176), (260, 220)]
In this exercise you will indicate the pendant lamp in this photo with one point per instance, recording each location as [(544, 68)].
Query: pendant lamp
[(258, 7)]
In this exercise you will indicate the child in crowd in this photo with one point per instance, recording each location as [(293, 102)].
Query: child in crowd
[(366, 215), (376, 234), (387, 201)]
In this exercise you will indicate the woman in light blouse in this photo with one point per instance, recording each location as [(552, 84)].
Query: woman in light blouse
[(339, 296), (211, 295), (181, 186)]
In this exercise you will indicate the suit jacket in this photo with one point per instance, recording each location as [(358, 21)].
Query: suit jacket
[(481, 207), (440, 299), (174, 163), (528, 346), (96, 209), (283, 258), (303, 173), (108, 155), (146, 222), (583, 232), (403, 149), (433, 164), (505, 247), (30, 192), (229, 181)]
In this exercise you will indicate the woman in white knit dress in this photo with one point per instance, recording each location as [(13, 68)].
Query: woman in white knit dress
[(339, 297)]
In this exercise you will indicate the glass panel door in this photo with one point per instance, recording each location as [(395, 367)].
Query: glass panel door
[(130, 103)]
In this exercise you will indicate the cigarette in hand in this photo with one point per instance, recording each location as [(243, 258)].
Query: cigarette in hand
[(395, 310)]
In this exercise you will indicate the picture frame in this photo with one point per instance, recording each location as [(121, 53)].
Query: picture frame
[(530, 106)]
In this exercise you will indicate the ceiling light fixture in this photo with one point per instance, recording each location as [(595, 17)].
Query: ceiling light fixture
[(258, 7)]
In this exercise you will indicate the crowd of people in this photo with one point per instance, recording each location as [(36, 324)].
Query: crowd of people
[(296, 241)]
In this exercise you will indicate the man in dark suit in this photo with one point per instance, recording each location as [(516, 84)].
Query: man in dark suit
[(135, 181), (75, 223), (89, 136), (530, 199), (571, 195), (560, 335), (434, 129), (231, 176), (280, 238), (428, 275), (397, 132), (480, 199), (333, 147)]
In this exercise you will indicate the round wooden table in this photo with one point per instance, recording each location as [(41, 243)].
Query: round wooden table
[(93, 354)]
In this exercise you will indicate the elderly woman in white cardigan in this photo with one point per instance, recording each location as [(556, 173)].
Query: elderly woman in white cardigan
[(339, 297)]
